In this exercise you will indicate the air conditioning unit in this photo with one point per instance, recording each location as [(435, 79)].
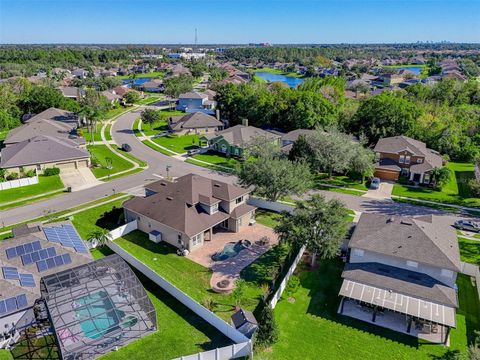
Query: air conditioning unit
[(155, 236)]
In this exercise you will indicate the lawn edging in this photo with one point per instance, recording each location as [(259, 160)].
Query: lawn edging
[(435, 203)]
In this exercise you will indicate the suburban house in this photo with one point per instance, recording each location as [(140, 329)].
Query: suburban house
[(72, 92), (179, 69), (401, 275), (155, 85), (404, 156), (111, 96), (187, 212), (80, 73), (196, 123), (196, 102), (291, 138), (235, 139), (392, 79), (45, 140)]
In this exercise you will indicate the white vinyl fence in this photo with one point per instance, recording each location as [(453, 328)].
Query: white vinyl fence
[(283, 284), (123, 230), (474, 271), (186, 300), (269, 205), (223, 353), (12, 184)]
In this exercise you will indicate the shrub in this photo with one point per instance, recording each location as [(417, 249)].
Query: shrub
[(30, 173), (12, 176), (51, 171), (474, 185), (292, 285), (267, 333)]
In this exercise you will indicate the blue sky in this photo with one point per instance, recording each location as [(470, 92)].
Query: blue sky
[(233, 21)]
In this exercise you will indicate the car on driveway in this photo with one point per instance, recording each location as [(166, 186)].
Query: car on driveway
[(375, 183), (126, 147), (193, 152), (160, 134), (467, 225)]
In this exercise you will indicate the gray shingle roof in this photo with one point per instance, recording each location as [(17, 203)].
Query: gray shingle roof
[(402, 281), (241, 135), (40, 150), (194, 121), (294, 135), (193, 95), (176, 204), (427, 239), (387, 164)]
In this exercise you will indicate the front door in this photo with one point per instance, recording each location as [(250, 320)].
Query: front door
[(416, 177)]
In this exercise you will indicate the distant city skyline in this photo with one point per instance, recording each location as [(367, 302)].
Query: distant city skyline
[(238, 22)]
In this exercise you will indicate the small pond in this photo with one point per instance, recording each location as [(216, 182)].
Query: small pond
[(137, 81), (289, 80), (415, 69)]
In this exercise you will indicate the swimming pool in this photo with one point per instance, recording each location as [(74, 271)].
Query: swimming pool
[(100, 314), (230, 250)]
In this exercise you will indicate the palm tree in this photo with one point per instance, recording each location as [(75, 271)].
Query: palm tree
[(99, 237)]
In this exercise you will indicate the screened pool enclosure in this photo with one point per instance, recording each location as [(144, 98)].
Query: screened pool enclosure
[(97, 307)]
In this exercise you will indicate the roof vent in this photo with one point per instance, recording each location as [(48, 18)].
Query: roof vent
[(405, 222), (169, 198), (216, 185), (163, 184)]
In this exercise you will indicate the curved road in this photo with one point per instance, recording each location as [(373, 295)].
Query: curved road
[(122, 133)]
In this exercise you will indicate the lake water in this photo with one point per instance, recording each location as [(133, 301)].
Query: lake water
[(289, 80), (136, 82), (415, 69)]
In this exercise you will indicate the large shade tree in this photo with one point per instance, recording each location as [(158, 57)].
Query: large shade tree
[(319, 224)]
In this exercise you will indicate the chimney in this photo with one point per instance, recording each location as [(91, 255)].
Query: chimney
[(245, 122), (217, 114)]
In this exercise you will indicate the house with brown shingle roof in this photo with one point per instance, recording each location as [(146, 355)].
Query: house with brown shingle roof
[(194, 123), (401, 155), (401, 274), (187, 212)]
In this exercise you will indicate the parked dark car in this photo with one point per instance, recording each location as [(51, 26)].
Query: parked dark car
[(375, 183), (467, 225), (126, 147)]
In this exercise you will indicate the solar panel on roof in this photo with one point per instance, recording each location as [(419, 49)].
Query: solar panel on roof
[(50, 263), (11, 304), (41, 265), (27, 280), (58, 260), (28, 248), (10, 273), (36, 245), (20, 250), (43, 254), (66, 259), (22, 301), (35, 256), (51, 252), (11, 253), (3, 308), (27, 259)]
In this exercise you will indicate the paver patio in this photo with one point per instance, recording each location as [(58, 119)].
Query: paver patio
[(230, 268)]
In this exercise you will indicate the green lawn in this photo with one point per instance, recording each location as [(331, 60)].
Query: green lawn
[(100, 153), (156, 127), (456, 191), (94, 135), (310, 328), (149, 100), (469, 250), (340, 190), (217, 159), (156, 148), (194, 279), (342, 180), (267, 217), (45, 184), (277, 71), (178, 144), (108, 135), (131, 157), (115, 112), (5, 355)]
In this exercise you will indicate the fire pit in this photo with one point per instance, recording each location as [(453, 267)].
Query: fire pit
[(223, 283)]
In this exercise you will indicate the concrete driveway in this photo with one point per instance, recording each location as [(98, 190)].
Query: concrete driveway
[(384, 191), (78, 179)]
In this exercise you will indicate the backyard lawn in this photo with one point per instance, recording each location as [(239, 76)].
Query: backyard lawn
[(178, 144), (456, 191), (267, 218), (100, 154), (194, 279), (217, 159), (45, 184), (310, 328), (469, 250)]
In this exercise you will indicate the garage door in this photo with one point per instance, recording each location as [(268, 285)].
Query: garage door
[(82, 163), (66, 166), (387, 175)]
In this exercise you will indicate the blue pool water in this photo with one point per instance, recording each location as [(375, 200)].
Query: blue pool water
[(229, 250), (415, 69), (136, 82), (289, 80), (100, 314)]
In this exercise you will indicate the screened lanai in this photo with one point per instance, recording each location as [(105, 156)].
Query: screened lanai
[(97, 307)]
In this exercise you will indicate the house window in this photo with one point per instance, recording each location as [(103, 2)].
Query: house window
[(197, 239), (235, 151), (239, 200), (239, 222), (179, 238), (224, 148), (407, 160), (447, 273), (412, 264), (419, 160), (39, 167), (426, 179), (402, 159), (213, 208), (358, 252)]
